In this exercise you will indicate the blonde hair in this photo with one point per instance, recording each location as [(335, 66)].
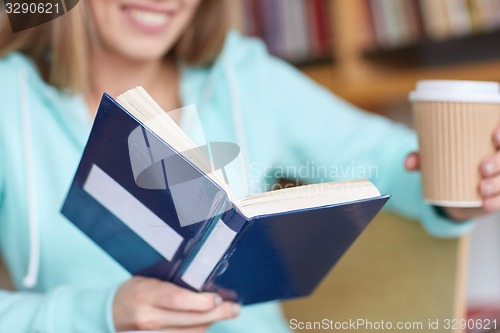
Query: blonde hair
[(67, 41)]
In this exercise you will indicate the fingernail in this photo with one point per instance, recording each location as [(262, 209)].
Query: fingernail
[(236, 309), (218, 300), (487, 188), (489, 168)]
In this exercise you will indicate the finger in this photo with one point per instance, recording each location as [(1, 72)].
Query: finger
[(197, 329), (492, 204), (170, 296), (226, 310), (155, 319), (460, 214), (496, 137), (490, 187), (412, 162), (490, 166)]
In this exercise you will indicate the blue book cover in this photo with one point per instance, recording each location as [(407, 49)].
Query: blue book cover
[(159, 214)]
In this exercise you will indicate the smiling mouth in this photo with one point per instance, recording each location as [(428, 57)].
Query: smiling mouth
[(147, 17)]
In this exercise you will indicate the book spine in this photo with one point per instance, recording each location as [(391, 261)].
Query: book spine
[(419, 19), (294, 30), (380, 28), (325, 28), (402, 34), (314, 26), (459, 17), (493, 9), (488, 12), (478, 21), (207, 257), (366, 39), (252, 19), (271, 23), (411, 17), (428, 14)]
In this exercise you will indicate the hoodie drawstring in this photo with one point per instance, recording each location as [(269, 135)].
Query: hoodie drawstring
[(31, 277)]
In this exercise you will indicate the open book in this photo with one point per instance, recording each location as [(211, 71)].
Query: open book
[(157, 204)]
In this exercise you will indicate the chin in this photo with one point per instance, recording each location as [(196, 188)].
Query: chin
[(141, 52)]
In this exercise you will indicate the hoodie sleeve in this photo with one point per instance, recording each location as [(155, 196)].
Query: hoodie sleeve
[(333, 139), (64, 309)]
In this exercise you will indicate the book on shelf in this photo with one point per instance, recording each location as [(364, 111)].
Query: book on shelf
[(398, 23), (319, 28), (295, 30), (158, 205)]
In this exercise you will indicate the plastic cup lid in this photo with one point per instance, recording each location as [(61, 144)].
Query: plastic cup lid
[(456, 91)]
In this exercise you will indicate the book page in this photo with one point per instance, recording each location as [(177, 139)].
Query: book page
[(307, 196), (139, 103)]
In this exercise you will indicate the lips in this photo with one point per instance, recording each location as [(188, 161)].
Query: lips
[(148, 19)]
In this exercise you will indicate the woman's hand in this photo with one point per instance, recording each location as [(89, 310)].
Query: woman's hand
[(489, 187), (149, 304)]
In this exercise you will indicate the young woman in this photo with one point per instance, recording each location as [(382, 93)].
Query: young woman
[(51, 81)]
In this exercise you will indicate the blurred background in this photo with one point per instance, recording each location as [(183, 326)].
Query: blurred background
[(372, 52)]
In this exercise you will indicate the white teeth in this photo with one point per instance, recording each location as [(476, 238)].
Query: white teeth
[(149, 18)]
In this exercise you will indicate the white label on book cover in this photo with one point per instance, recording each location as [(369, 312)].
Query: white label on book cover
[(146, 224), (209, 255)]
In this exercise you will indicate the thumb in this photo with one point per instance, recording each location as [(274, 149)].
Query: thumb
[(412, 162)]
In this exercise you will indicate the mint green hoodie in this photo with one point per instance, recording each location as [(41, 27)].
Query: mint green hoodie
[(285, 124)]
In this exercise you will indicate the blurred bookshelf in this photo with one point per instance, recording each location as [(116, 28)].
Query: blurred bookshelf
[(298, 31), (371, 52)]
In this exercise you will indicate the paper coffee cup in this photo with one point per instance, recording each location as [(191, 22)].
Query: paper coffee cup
[(455, 121)]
